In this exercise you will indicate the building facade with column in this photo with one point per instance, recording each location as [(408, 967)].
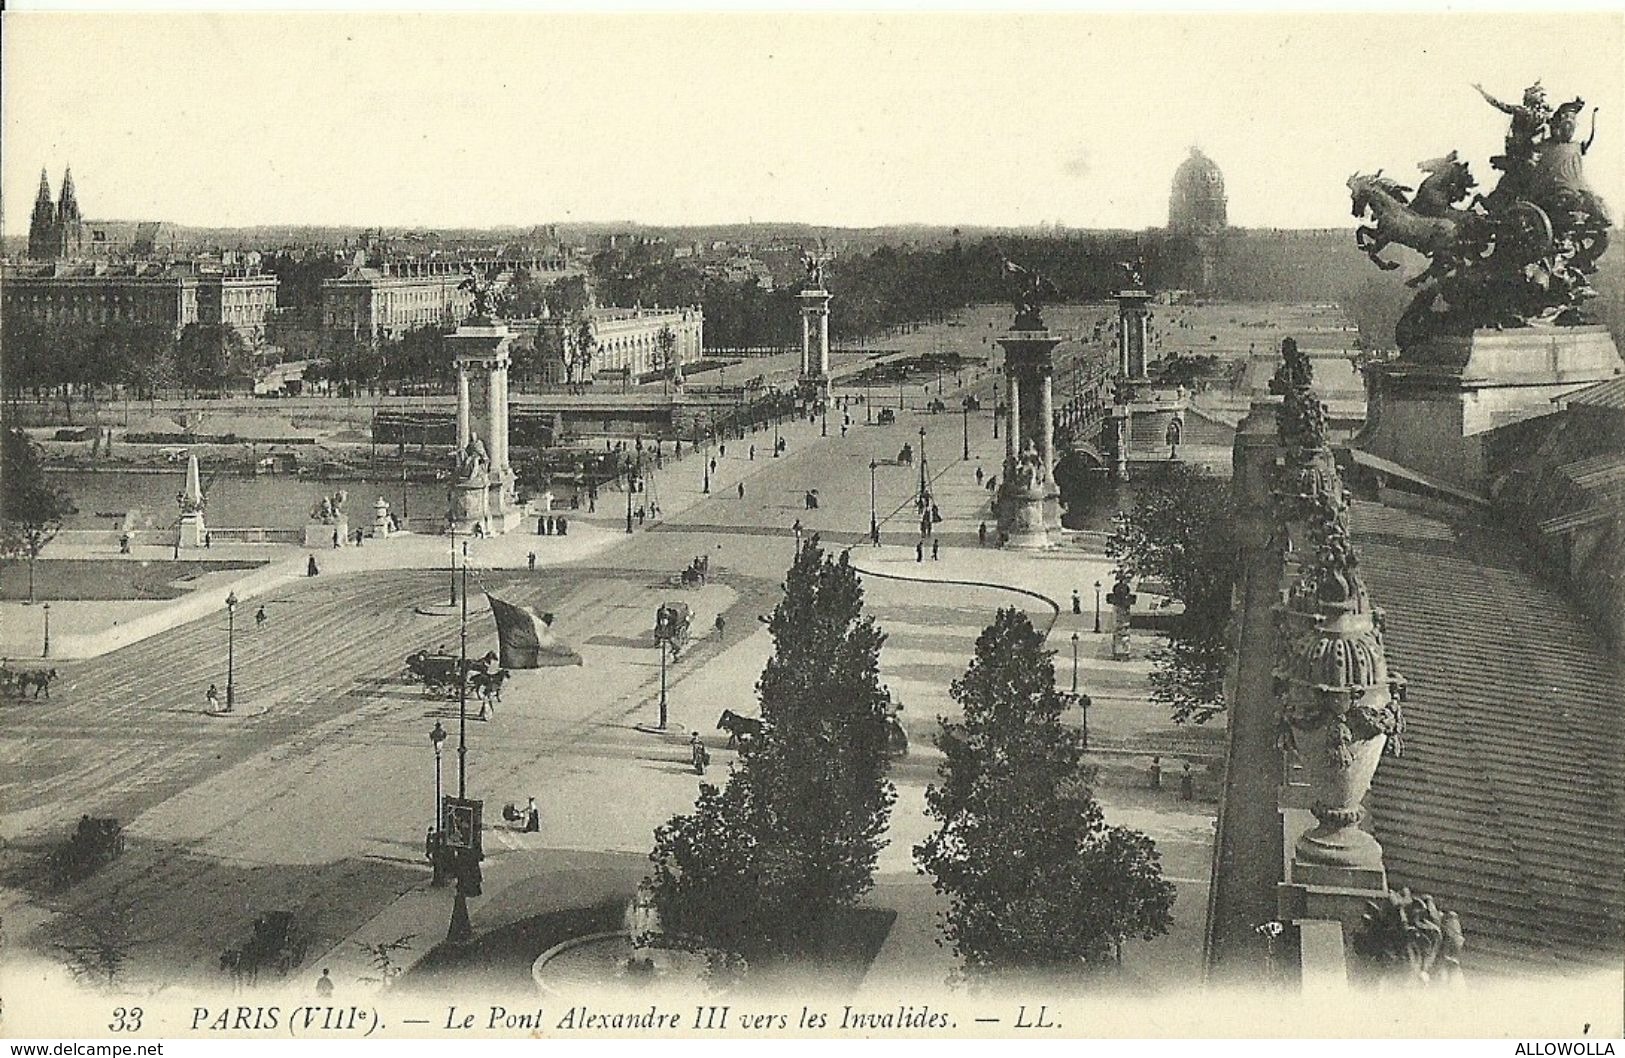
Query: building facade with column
[(102, 293), (629, 339), (387, 300)]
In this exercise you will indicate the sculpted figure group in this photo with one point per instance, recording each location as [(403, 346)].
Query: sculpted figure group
[(1523, 252)]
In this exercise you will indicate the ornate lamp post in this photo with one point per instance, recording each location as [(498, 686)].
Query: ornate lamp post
[(776, 435), (874, 521), (46, 652), (452, 526), (823, 428), (437, 739), (868, 403), (706, 487), (629, 483), (925, 491), (1074, 663), (966, 424), (1097, 606), (231, 652)]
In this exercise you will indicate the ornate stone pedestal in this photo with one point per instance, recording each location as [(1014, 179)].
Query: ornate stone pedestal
[(815, 338), (1026, 526), (322, 534), (1030, 509), (484, 494), (192, 529), (1431, 409)]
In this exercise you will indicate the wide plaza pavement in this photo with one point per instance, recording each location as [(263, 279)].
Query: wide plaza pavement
[(320, 802)]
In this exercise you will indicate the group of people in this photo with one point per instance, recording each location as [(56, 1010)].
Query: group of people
[(552, 525), (1187, 779)]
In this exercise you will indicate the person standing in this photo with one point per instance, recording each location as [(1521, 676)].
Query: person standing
[(1077, 602), (531, 559), (1187, 784), (936, 545), (212, 696), (981, 534), (1156, 773), (741, 490), (324, 985), (919, 550), (979, 477), (753, 453)]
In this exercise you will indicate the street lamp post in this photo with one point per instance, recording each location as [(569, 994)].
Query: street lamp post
[(823, 428), (462, 688), (868, 403), (231, 651), (664, 643), (46, 651), (925, 492), (775, 435), (1074, 663), (874, 521), (966, 424), (706, 487), (629, 482), (460, 929), (1097, 606), (437, 739), (452, 528)]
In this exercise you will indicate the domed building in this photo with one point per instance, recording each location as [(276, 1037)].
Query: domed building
[(1197, 204)]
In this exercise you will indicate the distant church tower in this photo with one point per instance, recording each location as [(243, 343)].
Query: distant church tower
[(56, 231), (1197, 204)]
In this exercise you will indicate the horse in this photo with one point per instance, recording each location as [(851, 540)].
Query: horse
[(739, 728), (39, 679), (1447, 183), (1444, 239), (488, 685)]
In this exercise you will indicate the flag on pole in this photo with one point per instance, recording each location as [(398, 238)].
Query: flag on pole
[(525, 638)]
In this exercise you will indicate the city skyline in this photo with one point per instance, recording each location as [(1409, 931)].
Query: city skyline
[(465, 121)]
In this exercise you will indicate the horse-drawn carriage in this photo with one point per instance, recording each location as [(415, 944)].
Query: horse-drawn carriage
[(886, 417), (25, 683), (95, 842), (696, 574), (448, 674), (277, 943)]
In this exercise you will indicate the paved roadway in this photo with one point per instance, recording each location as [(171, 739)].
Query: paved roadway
[(319, 803)]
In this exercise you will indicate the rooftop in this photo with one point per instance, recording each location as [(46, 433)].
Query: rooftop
[(1507, 805)]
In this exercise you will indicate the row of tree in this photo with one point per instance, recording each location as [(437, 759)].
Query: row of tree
[(81, 357), (766, 865)]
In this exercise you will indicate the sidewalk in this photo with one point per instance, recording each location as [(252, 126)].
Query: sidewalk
[(89, 629)]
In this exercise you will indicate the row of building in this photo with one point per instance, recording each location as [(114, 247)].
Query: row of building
[(96, 273)]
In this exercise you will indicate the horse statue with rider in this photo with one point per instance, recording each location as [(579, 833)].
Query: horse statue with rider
[(1524, 252)]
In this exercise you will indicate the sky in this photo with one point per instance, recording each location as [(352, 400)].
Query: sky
[(463, 120)]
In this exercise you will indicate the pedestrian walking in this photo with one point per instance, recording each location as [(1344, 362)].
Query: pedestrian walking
[(324, 984), (1077, 602), (260, 618), (212, 696), (753, 453), (335, 539), (1156, 773), (741, 490), (531, 560), (919, 551), (124, 544), (936, 545), (981, 534), (722, 450), (311, 569), (1187, 784), (208, 540), (979, 476)]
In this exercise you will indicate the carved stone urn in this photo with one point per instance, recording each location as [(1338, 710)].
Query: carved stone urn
[(1342, 706), (1342, 709)]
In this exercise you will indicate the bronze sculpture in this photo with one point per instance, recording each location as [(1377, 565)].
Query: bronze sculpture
[(1525, 252)]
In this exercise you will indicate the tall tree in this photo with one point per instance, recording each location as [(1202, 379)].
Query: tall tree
[(31, 508), (1036, 880), (761, 865), (1181, 531)]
